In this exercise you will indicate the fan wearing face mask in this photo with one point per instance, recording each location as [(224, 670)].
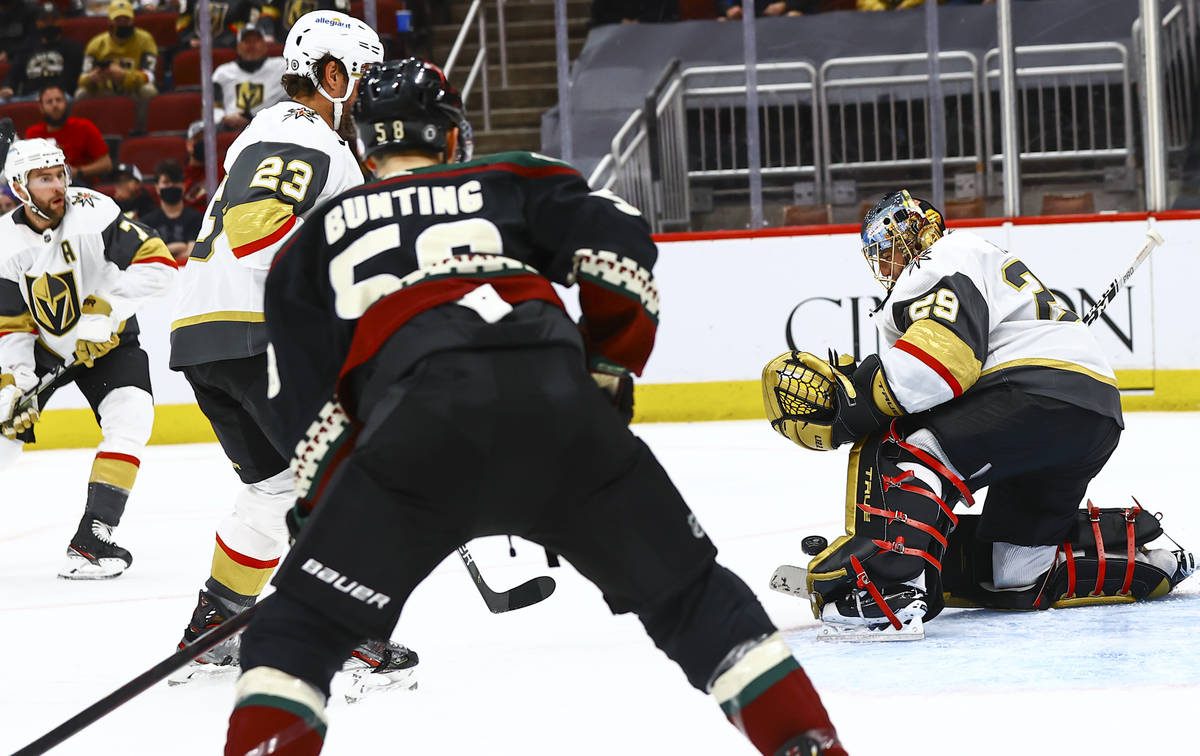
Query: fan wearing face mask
[(120, 60), (250, 83), (176, 223), (52, 59)]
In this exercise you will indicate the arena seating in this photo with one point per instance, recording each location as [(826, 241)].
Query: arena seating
[(146, 152), (171, 113), (114, 116), (24, 114), (807, 215), (187, 65)]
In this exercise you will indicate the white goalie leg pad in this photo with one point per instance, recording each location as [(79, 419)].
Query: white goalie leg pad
[(262, 684), (9, 451), (1016, 568), (126, 420), (256, 528), (924, 440)]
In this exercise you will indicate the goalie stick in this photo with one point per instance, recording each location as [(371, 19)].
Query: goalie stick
[(1153, 239), (526, 594), (141, 683)]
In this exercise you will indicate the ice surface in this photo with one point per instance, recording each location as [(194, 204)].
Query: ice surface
[(565, 676)]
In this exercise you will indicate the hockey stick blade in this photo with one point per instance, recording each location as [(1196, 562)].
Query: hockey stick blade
[(141, 683), (791, 580), (526, 594)]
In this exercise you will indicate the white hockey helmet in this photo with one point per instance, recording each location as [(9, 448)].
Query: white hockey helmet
[(320, 33), (26, 155)]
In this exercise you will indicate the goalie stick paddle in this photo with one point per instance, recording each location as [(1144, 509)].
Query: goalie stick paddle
[(141, 683), (526, 594), (1153, 239)]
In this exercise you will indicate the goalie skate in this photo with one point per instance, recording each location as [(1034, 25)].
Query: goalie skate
[(375, 666), (856, 618)]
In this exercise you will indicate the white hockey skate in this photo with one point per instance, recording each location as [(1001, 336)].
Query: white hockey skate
[(375, 666), (92, 554), (856, 617)]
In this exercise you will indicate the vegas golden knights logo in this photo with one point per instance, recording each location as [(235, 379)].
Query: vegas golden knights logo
[(54, 301), (249, 95)]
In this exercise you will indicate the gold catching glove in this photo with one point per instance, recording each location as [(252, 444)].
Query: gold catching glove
[(13, 425)]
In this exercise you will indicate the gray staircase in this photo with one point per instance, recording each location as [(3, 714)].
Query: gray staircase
[(517, 109)]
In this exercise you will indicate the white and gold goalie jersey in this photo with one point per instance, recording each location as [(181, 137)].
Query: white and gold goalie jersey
[(968, 315), (46, 275), (286, 162)]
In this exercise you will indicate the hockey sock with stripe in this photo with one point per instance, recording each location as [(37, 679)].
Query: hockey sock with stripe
[(275, 713), (765, 694)]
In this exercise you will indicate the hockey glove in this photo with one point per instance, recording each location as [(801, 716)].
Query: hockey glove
[(94, 331), (819, 406), (12, 422), (617, 385)]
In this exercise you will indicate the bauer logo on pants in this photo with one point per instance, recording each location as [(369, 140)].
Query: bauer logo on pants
[(344, 584)]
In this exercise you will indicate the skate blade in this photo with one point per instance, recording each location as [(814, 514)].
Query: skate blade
[(791, 580), (910, 630), (78, 568), (196, 671), (364, 683)]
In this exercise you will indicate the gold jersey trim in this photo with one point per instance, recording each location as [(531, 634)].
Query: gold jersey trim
[(252, 221), (221, 316), (1056, 365), (943, 345)]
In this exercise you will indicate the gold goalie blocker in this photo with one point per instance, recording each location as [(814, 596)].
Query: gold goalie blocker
[(816, 403)]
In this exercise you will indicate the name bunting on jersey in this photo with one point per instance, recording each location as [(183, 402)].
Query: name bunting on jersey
[(352, 212)]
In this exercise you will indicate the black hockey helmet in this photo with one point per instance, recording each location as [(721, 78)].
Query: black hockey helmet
[(409, 104), (899, 224)]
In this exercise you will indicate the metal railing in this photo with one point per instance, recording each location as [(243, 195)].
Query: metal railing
[(1180, 71), (874, 112), (1074, 103), (716, 116), (477, 15), (646, 163)]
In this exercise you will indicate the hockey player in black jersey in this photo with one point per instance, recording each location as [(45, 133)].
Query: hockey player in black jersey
[(434, 386), (988, 381)]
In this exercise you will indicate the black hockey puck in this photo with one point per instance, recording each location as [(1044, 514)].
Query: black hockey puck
[(813, 544)]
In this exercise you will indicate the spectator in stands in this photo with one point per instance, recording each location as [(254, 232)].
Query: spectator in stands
[(17, 22), (52, 59), (279, 15), (78, 138), (633, 11), (195, 191), (227, 18), (250, 83), (732, 9), (131, 196), (176, 223), (120, 60), (7, 200), (877, 5)]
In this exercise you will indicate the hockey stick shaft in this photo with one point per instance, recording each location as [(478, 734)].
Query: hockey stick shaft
[(141, 683), (527, 593), (1153, 239)]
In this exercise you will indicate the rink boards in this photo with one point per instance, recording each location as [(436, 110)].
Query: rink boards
[(733, 300)]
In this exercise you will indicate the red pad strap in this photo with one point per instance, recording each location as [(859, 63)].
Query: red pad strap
[(1094, 516), (897, 547), (931, 461), (865, 582), (1066, 547), (896, 481), (896, 516), (1130, 546)]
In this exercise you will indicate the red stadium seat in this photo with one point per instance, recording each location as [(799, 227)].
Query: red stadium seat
[(4, 66), (187, 65), (697, 9), (275, 50), (161, 26), (224, 140), (115, 115), (106, 189), (146, 152), (385, 14), (173, 112), (24, 115), (83, 28)]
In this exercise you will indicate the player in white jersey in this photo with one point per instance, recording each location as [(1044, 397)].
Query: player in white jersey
[(287, 161), (988, 382), (73, 271)]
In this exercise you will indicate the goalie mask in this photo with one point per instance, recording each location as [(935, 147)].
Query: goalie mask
[(898, 230), (26, 156), (409, 105)]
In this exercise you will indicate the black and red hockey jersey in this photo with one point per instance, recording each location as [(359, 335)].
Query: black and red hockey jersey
[(375, 258)]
